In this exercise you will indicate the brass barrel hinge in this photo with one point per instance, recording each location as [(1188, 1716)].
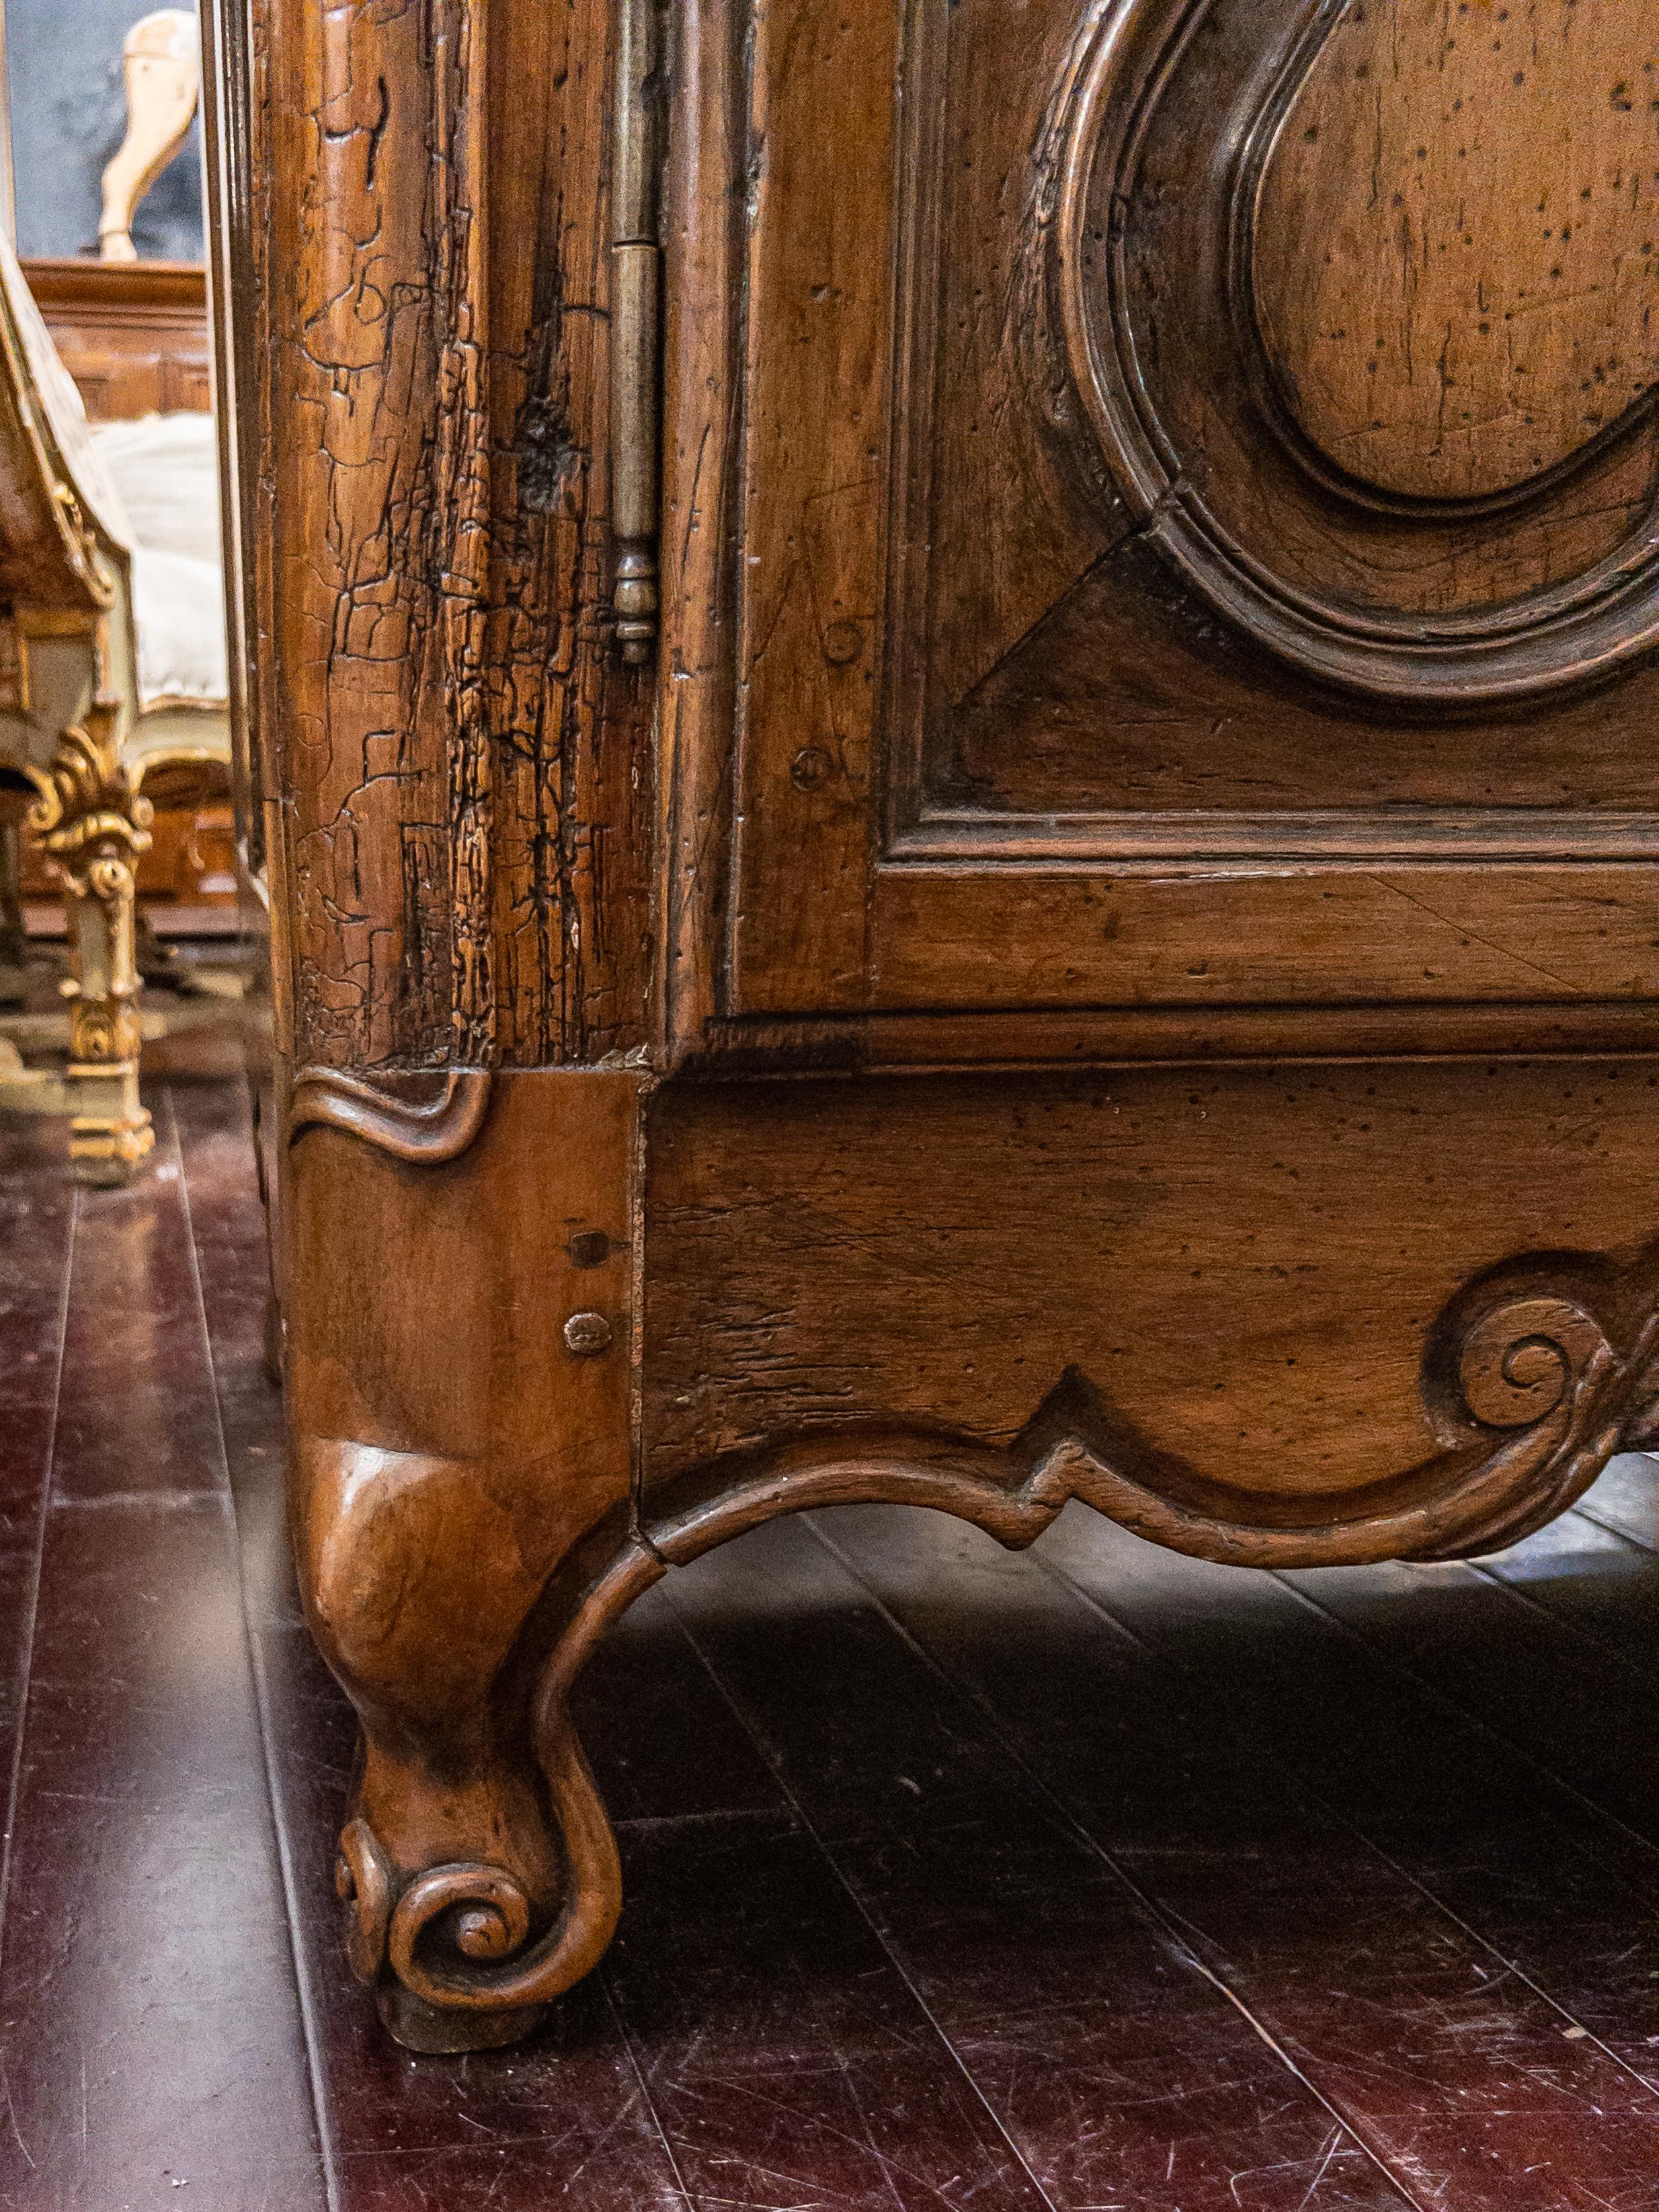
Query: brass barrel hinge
[(635, 321)]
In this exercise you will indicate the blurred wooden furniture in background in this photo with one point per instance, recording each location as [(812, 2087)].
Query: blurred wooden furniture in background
[(68, 687), (112, 673), (132, 334)]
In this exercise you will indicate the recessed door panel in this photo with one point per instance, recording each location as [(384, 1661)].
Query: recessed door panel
[(1195, 529)]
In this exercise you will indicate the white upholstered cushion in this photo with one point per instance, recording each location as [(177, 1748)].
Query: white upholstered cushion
[(165, 468)]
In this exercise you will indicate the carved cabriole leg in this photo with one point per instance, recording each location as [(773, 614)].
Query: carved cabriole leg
[(460, 1294), (462, 1268), (92, 821), (111, 1132)]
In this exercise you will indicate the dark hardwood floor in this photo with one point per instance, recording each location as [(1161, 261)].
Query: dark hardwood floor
[(1093, 1879)]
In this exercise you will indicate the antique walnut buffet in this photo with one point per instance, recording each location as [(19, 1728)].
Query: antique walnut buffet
[(958, 712)]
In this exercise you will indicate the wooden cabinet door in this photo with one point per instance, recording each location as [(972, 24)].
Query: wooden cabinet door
[(1173, 485)]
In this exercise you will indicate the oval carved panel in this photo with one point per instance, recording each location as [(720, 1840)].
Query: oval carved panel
[(1472, 305), (1352, 304)]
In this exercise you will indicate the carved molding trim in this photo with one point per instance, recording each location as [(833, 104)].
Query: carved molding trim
[(1525, 1382), (429, 1134), (1102, 389), (90, 817)]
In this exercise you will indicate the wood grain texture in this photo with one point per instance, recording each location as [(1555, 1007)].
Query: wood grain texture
[(1192, 730), (1244, 1265), (702, 227), (1032, 692), (818, 350), (455, 765), (150, 2022), (974, 1883), (1455, 242), (1225, 936), (570, 731), (379, 509), (1151, 296), (1084, 1877), (1354, 1822), (1031, 561)]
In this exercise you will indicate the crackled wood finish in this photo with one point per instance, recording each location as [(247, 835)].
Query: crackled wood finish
[(457, 761), (1111, 956)]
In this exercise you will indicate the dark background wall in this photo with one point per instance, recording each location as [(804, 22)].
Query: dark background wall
[(67, 114)]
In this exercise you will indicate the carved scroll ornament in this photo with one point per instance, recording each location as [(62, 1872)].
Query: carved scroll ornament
[(88, 796), (428, 1132), (1262, 394), (1533, 1379), (90, 817)]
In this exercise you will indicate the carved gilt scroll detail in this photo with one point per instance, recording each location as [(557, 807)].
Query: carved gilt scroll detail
[(89, 816)]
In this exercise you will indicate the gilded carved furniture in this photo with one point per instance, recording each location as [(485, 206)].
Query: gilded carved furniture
[(113, 677), (1089, 936), (69, 675), (112, 665), (133, 336)]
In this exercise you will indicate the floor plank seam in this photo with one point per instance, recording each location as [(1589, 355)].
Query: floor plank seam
[(31, 1602), (304, 1994), (1166, 1923), (636, 2068), (1649, 1846), (1272, 1870), (1309, 1792), (1592, 1646), (756, 1816), (809, 1829), (328, 2154), (128, 1501), (1599, 1518)]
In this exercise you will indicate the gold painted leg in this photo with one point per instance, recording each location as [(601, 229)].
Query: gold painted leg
[(94, 825)]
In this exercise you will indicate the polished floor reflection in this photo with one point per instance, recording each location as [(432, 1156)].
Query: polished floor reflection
[(1095, 1880)]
